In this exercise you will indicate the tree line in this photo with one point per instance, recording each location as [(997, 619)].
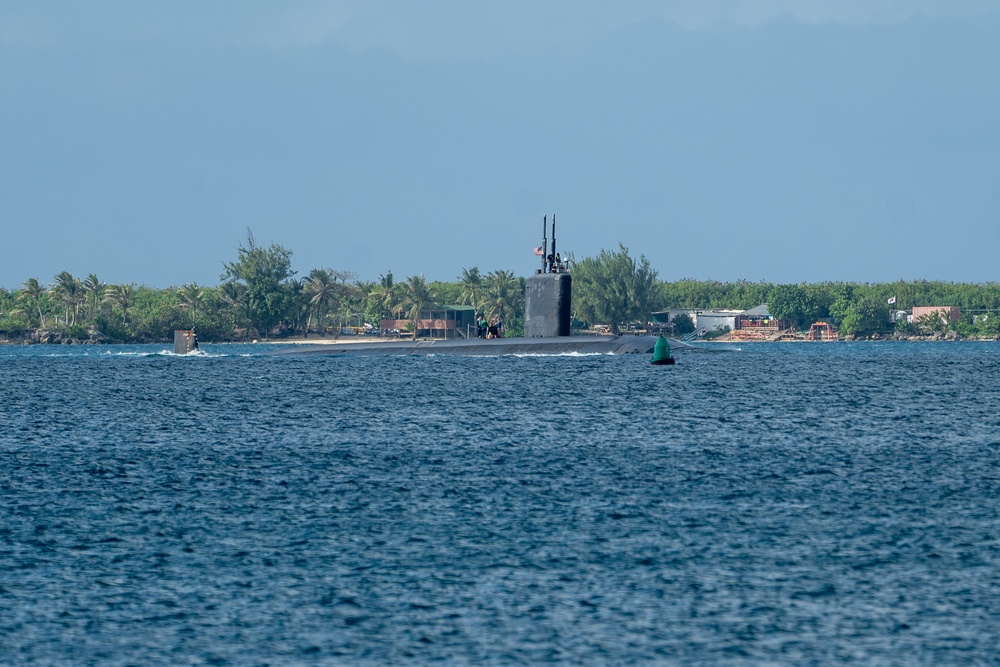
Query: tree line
[(259, 296), (858, 309), (617, 289)]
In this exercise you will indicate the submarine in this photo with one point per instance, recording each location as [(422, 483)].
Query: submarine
[(481, 347), (547, 318)]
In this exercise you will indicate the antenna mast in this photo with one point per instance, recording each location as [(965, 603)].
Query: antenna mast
[(553, 237), (545, 242)]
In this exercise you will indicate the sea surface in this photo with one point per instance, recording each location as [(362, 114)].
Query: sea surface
[(797, 504)]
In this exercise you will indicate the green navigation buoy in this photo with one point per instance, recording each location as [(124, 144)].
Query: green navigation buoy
[(661, 353)]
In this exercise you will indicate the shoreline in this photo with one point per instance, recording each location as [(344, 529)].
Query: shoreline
[(298, 340), (888, 338)]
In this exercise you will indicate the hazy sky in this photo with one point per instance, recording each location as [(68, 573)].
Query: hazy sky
[(767, 140)]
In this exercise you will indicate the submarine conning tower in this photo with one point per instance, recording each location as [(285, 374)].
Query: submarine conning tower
[(185, 341), (548, 294)]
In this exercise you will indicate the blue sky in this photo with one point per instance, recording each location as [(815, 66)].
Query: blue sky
[(768, 140)]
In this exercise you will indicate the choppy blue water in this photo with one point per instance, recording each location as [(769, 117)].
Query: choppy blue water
[(779, 504)]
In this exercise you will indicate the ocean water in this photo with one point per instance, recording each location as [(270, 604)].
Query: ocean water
[(791, 504)]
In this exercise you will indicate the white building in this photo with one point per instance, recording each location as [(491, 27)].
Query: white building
[(717, 319), (709, 319)]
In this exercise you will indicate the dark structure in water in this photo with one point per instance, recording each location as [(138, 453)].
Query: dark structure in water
[(547, 305), (185, 341), (482, 347), (548, 295)]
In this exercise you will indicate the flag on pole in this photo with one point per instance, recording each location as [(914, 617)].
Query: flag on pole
[(892, 301), (538, 251)]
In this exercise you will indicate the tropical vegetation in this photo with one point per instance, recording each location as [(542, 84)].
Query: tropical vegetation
[(259, 296)]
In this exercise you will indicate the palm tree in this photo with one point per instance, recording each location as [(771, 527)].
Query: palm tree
[(366, 299), (417, 298), (298, 310), (93, 289), (234, 296), (192, 297), (501, 294), (32, 292), (321, 289), (70, 292), (121, 296), (387, 294), (472, 287)]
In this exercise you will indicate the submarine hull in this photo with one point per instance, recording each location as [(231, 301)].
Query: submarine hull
[(492, 347)]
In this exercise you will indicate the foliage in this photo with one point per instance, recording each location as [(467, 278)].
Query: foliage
[(447, 293), (932, 322), (384, 299), (987, 324), (613, 288), (795, 304), (93, 290), (14, 316), (326, 295), (266, 273), (121, 297), (417, 297), (688, 293), (865, 317), (472, 288), (683, 324), (258, 293), (69, 291), (503, 297), (32, 294)]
